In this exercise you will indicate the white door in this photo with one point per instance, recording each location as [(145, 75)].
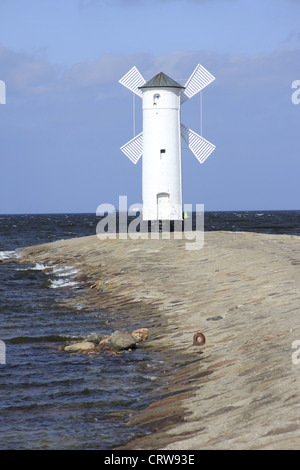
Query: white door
[(163, 206)]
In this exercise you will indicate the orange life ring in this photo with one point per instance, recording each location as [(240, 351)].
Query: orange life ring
[(195, 339)]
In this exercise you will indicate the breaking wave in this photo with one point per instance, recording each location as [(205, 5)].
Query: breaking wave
[(4, 255)]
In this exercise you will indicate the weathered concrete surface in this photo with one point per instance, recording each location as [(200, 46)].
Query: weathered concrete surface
[(242, 290)]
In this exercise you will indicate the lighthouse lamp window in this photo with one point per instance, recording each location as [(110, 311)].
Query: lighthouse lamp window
[(156, 96)]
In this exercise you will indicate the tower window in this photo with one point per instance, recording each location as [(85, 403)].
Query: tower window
[(162, 152), (156, 96)]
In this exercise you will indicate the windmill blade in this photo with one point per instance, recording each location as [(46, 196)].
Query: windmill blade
[(200, 147), (134, 148), (133, 80), (199, 79)]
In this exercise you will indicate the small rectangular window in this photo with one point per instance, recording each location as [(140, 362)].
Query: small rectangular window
[(162, 152)]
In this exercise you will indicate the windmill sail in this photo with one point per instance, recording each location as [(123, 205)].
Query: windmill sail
[(134, 148), (200, 147), (199, 79), (133, 80)]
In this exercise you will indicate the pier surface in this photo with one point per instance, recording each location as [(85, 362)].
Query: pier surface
[(240, 390)]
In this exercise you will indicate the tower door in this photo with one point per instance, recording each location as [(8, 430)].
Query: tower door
[(163, 206)]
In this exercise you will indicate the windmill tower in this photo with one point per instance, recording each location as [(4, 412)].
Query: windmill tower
[(160, 141)]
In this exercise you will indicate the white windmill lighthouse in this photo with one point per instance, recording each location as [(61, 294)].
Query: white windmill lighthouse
[(160, 141)]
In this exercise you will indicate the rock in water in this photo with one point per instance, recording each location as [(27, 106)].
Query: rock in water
[(94, 338), (82, 345), (105, 342), (141, 334), (120, 341)]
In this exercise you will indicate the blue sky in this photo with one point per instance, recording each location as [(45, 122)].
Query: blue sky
[(66, 116)]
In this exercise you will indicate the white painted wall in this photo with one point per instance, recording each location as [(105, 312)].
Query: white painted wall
[(161, 170)]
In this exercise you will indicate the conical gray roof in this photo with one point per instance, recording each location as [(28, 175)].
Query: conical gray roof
[(161, 80)]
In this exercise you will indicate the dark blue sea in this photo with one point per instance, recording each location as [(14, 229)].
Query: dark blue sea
[(53, 400)]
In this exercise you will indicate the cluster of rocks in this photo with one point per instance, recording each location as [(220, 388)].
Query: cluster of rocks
[(114, 344)]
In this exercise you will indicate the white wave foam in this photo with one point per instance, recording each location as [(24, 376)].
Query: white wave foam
[(8, 255), (40, 267), (150, 377), (59, 276), (62, 283), (64, 276), (64, 271)]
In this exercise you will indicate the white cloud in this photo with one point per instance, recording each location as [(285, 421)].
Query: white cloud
[(25, 74), (30, 76)]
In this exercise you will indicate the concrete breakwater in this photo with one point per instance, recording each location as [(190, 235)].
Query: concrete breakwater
[(239, 390)]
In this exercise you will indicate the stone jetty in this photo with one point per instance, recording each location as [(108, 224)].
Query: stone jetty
[(236, 388)]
